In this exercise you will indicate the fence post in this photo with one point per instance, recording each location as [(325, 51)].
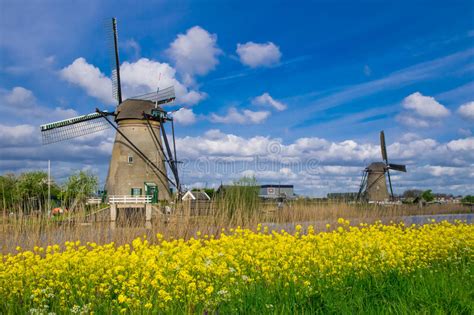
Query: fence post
[(113, 212)]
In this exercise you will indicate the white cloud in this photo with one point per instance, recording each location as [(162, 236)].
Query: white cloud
[(412, 121), (89, 77), (245, 117), (421, 111), (133, 48), (258, 55), (467, 111), (425, 106), (139, 77), (266, 99), (438, 171), (317, 166), (19, 96), (195, 53), (18, 135), (184, 116), (466, 144), (314, 165)]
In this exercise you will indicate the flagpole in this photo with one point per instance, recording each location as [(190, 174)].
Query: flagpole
[(49, 185)]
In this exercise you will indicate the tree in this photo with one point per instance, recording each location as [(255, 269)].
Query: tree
[(8, 195), (468, 199), (79, 187), (210, 192), (32, 190), (427, 195), (412, 193)]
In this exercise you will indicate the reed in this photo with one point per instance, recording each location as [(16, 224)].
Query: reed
[(237, 209)]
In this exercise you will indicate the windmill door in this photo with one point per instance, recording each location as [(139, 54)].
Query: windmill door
[(152, 190)]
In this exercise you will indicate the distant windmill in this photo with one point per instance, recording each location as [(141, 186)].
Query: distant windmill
[(373, 185), (137, 165)]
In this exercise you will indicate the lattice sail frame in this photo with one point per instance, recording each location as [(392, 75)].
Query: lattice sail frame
[(73, 128), (163, 96)]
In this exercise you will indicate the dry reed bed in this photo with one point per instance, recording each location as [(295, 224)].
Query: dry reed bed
[(28, 232)]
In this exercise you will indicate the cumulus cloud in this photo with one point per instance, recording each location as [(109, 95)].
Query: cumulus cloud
[(90, 78), (315, 165), (421, 111), (18, 135), (425, 106), (258, 55), (195, 52), (21, 98), (467, 111), (412, 121), (266, 100), (184, 116), (139, 77), (233, 116), (466, 144)]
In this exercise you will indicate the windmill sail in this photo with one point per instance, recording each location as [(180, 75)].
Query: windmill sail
[(115, 62), (383, 147), (397, 167), (164, 96), (73, 127)]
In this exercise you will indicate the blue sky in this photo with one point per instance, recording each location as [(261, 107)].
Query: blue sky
[(319, 79)]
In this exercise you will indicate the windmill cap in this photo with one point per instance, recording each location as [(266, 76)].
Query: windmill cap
[(377, 167), (133, 109)]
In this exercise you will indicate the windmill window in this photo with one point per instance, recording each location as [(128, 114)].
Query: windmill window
[(136, 191), (130, 159)]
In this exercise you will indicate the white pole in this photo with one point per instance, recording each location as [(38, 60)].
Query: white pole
[(49, 185)]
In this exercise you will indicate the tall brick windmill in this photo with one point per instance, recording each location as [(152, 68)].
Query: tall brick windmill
[(373, 187), (141, 148)]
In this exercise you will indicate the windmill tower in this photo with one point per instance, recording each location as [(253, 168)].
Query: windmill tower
[(373, 187), (139, 158)]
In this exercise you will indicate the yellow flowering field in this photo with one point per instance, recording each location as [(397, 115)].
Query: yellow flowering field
[(241, 271)]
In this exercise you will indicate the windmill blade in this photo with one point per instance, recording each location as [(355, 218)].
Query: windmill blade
[(363, 185), (383, 147), (390, 183), (73, 127), (397, 167), (115, 61), (164, 96)]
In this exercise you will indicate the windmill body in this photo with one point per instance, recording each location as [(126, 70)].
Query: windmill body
[(373, 186), (129, 173), (376, 182)]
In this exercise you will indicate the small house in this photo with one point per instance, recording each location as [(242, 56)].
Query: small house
[(196, 195), (277, 191)]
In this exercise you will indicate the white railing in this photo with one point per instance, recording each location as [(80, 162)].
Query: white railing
[(94, 201), (130, 199)]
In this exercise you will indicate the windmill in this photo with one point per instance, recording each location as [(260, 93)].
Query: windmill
[(139, 158), (373, 185)]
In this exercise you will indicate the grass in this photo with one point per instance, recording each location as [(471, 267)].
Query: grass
[(440, 289)]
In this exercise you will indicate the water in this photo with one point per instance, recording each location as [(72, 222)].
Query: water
[(408, 220), (424, 219)]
